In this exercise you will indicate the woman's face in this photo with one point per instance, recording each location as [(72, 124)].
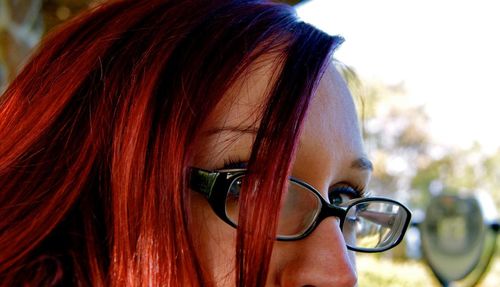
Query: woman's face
[(330, 153)]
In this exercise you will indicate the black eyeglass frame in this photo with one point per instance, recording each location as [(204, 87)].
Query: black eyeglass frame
[(214, 185)]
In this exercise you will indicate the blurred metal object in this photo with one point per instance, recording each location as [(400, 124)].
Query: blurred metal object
[(459, 238), (495, 227)]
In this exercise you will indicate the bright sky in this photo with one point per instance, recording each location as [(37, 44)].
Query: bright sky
[(447, 52)]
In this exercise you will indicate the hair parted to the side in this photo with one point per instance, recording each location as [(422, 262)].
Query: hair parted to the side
[(97, 129)]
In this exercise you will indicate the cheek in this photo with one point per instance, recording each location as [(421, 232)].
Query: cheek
[(214, 241)]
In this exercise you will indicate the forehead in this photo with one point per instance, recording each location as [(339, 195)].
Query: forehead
[(330, 129), (331, 138), (242, 104), (231, 126)]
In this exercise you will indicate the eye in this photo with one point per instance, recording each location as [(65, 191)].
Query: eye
[(235, 188), (339, 195)]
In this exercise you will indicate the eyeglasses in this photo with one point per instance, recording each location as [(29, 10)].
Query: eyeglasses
[(370, 224)]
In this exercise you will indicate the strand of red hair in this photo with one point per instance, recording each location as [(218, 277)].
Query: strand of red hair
[(96, 135)]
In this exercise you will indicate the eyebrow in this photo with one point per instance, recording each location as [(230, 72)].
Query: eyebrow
[(362, 163)]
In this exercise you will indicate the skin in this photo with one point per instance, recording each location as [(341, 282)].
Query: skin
[(329, 155)]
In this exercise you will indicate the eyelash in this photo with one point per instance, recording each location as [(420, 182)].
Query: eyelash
[(234, 162), (351, 191)]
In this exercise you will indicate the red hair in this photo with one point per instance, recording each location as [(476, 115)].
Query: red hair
[(97, 130)]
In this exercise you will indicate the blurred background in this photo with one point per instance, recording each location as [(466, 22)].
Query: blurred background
[(424, 76)]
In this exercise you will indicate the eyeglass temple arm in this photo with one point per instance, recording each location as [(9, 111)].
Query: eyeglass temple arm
[(202, 181)]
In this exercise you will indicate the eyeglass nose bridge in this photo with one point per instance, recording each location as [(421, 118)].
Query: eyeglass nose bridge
[(330, 210)]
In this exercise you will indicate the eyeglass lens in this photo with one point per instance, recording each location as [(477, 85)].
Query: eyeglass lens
[(298, 212), (374, 225), (369, 225)]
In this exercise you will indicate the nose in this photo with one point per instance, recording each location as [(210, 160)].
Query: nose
[(321, 259)]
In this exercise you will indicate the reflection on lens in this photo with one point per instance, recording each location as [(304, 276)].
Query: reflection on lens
[(374, 224), (299, 209)]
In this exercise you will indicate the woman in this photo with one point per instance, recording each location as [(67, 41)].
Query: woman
[(142, 132)]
